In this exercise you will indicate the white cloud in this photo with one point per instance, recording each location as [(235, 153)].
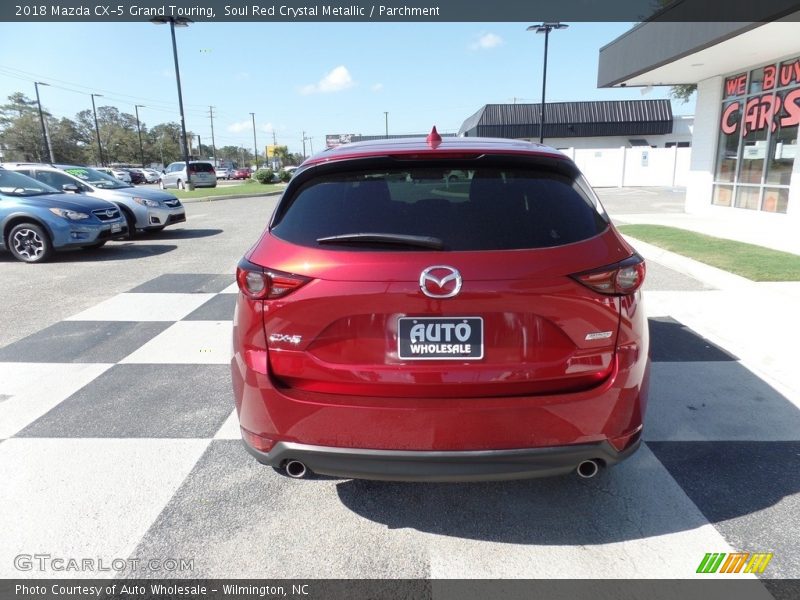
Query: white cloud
[(240, 126), (337, 80), (486, 41), (376, 87), (267, 128)]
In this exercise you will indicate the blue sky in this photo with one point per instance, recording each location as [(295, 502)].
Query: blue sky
[(319, 78)]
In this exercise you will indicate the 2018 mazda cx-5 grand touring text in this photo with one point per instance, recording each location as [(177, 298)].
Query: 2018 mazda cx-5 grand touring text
[(443, 310)]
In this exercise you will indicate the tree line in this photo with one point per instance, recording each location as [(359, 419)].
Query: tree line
[(74, 141)]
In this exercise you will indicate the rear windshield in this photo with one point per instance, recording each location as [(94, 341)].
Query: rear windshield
[(484, 209), (200, 167)]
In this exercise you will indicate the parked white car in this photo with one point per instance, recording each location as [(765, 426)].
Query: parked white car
[(152, 175), (117, 173)]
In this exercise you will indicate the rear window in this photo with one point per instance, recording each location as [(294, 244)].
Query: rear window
[(200, 167), (483, 209)]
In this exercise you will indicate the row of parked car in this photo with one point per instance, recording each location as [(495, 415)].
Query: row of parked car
[(132, 175), (46, 207)]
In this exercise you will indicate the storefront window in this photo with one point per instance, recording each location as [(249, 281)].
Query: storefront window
[(782, 149), (728, 145), (775, 200), (754, 149), (723, 195), (758, 138), (748, 197)]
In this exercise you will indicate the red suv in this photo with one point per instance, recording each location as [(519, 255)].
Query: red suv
[(442, 310)]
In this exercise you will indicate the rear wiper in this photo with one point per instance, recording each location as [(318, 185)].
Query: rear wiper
[(384, 238)]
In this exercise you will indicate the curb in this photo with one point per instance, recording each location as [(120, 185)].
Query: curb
[(713, 276), (229, 197)]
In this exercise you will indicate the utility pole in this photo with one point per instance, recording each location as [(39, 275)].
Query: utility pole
[(199, 148), (304, 145), (255, 144), (97, 129), (48, 148), (213, 145), (386, 116), (136, 107)]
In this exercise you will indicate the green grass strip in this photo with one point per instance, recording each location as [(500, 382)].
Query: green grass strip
[(748, 260), (245, 189)]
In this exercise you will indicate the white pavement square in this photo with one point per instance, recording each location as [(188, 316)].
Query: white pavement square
[(85, 498), (662, 535), (230, 428), (188, 342), (32, 389), (143, 307), (716, 401)]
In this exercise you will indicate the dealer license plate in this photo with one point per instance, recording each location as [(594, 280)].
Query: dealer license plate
[(440, 338)]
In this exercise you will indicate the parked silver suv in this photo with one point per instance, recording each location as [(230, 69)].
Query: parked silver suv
[(144, 209), (202, 172)]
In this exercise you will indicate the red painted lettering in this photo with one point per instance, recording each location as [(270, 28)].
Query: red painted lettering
[(735, 86), (791, 104), (730, 119), (790, 72), (769, 78), (751, 110)]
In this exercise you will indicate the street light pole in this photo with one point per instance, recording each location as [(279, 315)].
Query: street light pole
[(178, 22), (386, 116), (48, 148), (97, 129), (255, 144), (544, 28), (136, 107)]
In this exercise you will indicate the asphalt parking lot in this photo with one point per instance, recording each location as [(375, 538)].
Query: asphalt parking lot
[(118, 439)]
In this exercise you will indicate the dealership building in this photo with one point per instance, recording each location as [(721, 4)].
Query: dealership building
[(744, 145)]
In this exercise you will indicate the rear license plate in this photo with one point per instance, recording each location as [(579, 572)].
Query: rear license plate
[(116, 227), (440, 338)]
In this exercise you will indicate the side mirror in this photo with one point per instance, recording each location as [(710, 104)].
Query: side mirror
[(163, 171), (71, 187)]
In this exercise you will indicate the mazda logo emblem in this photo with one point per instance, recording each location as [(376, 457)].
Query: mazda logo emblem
[(440, 281)]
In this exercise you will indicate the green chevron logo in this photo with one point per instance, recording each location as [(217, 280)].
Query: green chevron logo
[(735, 562)]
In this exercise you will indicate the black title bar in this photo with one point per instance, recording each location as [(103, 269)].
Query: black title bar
[(402, 10)]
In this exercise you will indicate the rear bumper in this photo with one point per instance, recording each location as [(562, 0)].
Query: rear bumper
[(392, 465)]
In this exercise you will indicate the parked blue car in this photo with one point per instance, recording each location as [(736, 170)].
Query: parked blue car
[(36, 219)]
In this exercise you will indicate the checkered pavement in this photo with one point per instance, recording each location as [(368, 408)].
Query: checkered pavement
[(118, 439)]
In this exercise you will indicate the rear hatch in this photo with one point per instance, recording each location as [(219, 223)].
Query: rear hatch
[(439, 279)]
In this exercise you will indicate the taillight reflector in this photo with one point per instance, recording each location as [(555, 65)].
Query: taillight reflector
[(259, 283), (620, 279)]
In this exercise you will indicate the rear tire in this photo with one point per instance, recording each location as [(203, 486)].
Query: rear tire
[(30, 243)]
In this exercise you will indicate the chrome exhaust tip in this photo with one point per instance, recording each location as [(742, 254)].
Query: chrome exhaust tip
[(588, 469), (295, 469)]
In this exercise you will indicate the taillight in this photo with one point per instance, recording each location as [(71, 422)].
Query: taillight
[(620, 279), (259, 283)]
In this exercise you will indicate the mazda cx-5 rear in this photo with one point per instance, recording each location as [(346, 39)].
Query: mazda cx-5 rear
[(454, 309)]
